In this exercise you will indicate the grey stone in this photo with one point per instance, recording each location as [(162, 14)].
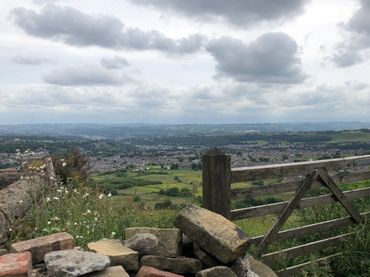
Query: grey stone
[(259, 268), (242, 268), (113, 271), (215, 234), (216, 271), (69, 263), (206, 258), (169, 238), (179, 265), (145, 244), (117, 253)]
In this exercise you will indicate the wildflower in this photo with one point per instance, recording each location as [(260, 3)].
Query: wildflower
[(48, 199), (113, 234), (20, 201), (109, 194), (56, 198), (101, 196), (64, 164), (51, 178), (75, 223), (49, 222), (88, 211), (59, 190)]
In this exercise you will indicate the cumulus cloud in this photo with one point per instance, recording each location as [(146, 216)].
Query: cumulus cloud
[(114, 62), (28, 60), (237, 12), (85, 76), (356, 44), (71, 26), (271, 58)]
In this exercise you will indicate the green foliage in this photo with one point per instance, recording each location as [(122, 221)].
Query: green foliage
[(175, 191), (86, 214), (71, 165), (355, 260)]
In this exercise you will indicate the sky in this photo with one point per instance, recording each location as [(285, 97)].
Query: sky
[(175, 61)]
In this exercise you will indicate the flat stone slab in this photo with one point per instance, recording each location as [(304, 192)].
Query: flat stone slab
[(113, 271), (42, 245), (169, 238), (179, 265), (16, 265), (217, 271), (147, 271), (117, 253), (69, 263), (206, 258), (214, 233)]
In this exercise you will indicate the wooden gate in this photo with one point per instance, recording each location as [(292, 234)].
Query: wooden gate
[(218, 177)]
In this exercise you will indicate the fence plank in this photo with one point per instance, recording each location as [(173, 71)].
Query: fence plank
[(303, 188), (312, 228), (292, 270), (305, 203), (341, 178), (305, 249), (330, 183), (253, 173), (216, 172)]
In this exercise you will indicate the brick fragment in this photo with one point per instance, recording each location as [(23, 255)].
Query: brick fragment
[(16, 265), (42, 245)]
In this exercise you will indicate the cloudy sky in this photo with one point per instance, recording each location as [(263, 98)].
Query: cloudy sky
[(175, 61)]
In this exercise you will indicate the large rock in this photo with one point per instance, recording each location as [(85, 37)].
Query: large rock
[(69, 263), (145, 244), (169, 238), (113, 271), (42, 245), (179, 265), (217, 271), (16, 265), (215, 234), (147, 271), (117, 253), (242, 268), (260, 268)]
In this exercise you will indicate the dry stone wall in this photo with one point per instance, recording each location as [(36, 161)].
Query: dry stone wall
[(146, 252), (17, 198)]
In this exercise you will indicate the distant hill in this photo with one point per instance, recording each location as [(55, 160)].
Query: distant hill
[(144, 130)]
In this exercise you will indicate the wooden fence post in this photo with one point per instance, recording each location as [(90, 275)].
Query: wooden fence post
[(216, 171)]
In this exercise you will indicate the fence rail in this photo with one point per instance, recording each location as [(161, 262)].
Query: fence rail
[(218, 192)]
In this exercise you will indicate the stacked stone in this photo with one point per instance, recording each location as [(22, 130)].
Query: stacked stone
[(203, 244)]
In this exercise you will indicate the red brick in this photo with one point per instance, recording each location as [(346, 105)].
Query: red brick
[(16, 265), (42, 245), (147, 271)]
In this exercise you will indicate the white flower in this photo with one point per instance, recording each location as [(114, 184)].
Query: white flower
[(20, 201), (56, 198), (59, 190), (64, 164), (88, 211), (49, 222), (48, 199), (109, 194), (51, 178), (101, 196), (113, 234)]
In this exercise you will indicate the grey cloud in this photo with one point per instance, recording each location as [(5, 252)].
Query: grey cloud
[(236, 12), (85, 76), (114, 63), (352, 50), (271, 58), (28, 60), (74, 27)]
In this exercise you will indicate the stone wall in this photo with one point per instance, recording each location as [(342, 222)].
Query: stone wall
[(17, 198)]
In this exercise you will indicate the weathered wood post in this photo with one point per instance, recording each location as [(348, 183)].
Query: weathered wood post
[(216, 171)]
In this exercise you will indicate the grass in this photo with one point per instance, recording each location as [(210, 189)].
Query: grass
[(86, 214)]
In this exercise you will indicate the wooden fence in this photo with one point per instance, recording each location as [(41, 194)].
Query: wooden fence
[(218, 177)]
